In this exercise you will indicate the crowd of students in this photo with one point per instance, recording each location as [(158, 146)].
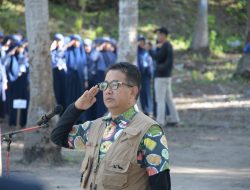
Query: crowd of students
[(77, 64), (14, 76)]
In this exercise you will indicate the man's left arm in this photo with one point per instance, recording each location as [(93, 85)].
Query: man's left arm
[(153, 155), (160, 181), (170, 55)]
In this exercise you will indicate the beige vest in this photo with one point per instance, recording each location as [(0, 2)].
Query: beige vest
[(119, 168)]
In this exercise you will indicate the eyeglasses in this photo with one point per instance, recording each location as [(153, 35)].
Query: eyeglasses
[(113, 85)]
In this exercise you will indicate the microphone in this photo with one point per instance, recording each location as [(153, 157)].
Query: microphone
[(46, 117)]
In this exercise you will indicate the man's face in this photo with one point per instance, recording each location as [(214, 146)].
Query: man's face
[(160, 37), (120, 99)]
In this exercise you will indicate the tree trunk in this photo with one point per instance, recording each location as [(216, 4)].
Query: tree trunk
[(37, 145), (243, 68), (200, 36), (248, 15), (128, 21)]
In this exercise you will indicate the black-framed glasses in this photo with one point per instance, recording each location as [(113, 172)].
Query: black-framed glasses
[(113, 85)]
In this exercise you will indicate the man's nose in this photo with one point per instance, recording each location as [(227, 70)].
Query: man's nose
[(108, 90)]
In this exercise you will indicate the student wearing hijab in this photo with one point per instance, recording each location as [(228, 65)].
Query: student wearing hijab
[(145, 65), (108, 52), (246, 48), (104, 62), (76, 67), (59, 68), (3, 80), (3, 88), (96, 69), (5, 45), (17, 68), (1, 37)]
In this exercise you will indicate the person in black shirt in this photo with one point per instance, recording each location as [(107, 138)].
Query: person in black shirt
[(163, 56)]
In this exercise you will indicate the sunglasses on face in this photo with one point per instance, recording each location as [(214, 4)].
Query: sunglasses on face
[(113, 85)]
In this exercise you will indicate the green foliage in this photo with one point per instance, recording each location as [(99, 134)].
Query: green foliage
[(209, 76), (89, 33), (233, 44), (58, 12), (147, 30), (181, 43), (217, 72), (78, 24), (212, 38), (195, 75), (99, 31), (82, 3), (219, 45), (215, 47), (12, 17), (197, 57), (238, 8), (211, 20)]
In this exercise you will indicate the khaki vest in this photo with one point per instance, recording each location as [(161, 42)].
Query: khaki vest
[(119, 168)]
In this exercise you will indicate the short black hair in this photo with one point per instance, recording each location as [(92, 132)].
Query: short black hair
[(131, 72), (162, 30)]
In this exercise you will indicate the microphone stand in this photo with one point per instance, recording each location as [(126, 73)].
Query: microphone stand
[(7, 137)]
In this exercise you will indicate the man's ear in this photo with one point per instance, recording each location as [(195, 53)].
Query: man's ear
[(135, 91)]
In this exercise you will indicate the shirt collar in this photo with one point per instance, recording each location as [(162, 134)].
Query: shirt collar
[(126, 116)]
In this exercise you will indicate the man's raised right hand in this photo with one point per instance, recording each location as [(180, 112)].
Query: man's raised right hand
[(87, 99)]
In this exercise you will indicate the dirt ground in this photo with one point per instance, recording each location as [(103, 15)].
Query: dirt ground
[(210, 151)]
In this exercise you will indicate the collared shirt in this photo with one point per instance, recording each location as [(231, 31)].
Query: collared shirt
[(58, 59), (152, 152)]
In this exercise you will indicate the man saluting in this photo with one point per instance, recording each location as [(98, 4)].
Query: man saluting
[(125, 149)]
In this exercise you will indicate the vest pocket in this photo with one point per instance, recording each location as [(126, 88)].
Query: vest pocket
[(115, 175), (85, 170)]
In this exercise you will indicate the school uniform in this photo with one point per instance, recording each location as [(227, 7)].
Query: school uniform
[(59, 69), (145, 65), (17, 68)]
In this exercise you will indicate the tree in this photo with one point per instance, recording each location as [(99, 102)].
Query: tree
[(243, 68), (128, 21), (248, 15), (200, 36), (37, 145)]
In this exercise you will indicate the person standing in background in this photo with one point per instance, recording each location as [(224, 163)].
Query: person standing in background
[(246, 48), (17, 69), (76, 69), (163, 87), (145, 65), (94, 58), (59, 68), (3, 88)]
